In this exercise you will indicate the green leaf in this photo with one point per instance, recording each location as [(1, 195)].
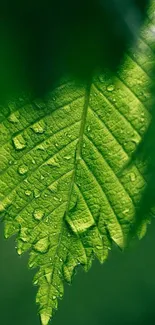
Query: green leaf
[(62, 190)]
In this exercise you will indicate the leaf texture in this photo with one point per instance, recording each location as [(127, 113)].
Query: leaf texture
[(62, 190)]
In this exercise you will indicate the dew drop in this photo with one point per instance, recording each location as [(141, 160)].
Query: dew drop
[(110, 88), (88, 128), (28, 193), (36, 193), (23, 169), (135, 139), (38, 214), (35, 282), (67, 157), (60, 259), (53, 162), (19, 251), (126, 211), (41, 147), (10, 162), (13, 118), (98, 247), (132, 177), (42, 245), (38, 127), (54, 297), (33, 161), (25, 180), (19, 142)]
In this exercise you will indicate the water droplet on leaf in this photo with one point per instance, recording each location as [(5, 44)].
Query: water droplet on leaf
[(33, 161), (36, 193), (99, 247), (42, 245), (22, 169), (13, 118), (38, 214), (67, 157), (19, 142), (110, 88), (53, 162), (126, 211), (38, 127), (54, 297), (19, 251), (10, 162), (28, 193), (132, 177)]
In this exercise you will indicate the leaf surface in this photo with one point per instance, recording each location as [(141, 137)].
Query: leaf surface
[(62, 189)]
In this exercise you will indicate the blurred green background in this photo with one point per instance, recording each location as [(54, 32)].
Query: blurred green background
[(119, 292)]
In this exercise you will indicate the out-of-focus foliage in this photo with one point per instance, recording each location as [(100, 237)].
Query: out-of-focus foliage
[(42, 40)]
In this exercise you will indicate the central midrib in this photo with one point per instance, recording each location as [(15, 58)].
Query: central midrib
[(79, 145)]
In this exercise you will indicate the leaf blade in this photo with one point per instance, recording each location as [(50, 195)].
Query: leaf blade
[(61, 189)]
